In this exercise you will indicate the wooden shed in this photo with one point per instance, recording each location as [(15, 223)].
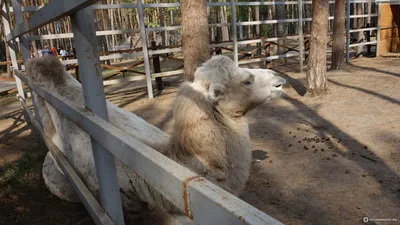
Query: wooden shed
[(390, 29)]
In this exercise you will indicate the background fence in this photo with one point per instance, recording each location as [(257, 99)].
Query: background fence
[(248, 41)]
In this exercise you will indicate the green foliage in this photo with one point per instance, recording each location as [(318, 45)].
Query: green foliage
[(25, 170)]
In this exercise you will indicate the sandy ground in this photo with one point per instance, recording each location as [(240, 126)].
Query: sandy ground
[(323, 160)]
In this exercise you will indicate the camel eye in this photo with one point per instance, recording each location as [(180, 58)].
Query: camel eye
[(248, 82)]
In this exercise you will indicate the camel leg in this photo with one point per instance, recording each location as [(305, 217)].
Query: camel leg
[(56, 182)]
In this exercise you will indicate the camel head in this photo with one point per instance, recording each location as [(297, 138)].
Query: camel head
[(234, 90)]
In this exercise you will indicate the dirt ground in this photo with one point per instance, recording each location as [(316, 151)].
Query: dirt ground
[(322, 160), (24, 198)]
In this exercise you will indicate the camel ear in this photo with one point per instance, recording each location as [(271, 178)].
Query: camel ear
[(216, 92)]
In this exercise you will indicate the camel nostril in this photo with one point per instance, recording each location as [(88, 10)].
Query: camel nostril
[(278, 86)]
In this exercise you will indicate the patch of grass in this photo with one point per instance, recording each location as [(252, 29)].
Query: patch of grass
[(25, 171)]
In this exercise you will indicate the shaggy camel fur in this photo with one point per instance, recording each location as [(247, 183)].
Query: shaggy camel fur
[(210, 134)]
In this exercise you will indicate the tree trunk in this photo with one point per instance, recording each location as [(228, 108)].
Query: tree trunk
[(369, 7), (8, 58), (307, 13), (161, 19), (104, 15), (111, 15), (194, 35), (360, 24), (338, 38), (281, 32), (250, 18), (48, 29), (270, 16), (212, 19), (316, 73), (257, 18), (224, 19)]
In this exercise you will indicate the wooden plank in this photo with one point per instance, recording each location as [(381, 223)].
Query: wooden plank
[(9, 62), (7, 85)]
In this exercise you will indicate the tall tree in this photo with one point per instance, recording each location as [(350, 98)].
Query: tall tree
[(316, 73), (258, 34), (360, 24), (8, 58), (195, 37), (338, 40), (224, 19), (280, 29), (250, 18)]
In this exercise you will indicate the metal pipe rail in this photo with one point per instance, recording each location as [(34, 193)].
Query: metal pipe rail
[(362, 44), (200, 199)]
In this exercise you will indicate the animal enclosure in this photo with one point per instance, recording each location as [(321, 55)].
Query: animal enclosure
[(203, 196), (251, 41)]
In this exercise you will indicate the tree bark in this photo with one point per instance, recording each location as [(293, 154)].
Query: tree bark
[(360, 24), (195, 37), (161, 19), (369, 7), (270, 16), (8, 58), (338, 38), (281, 32), (307, 10), (111, 16), (250, 18), (224, 19), (257, 18), (316, 73), (258, 34)]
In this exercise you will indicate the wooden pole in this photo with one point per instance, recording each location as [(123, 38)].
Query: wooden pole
[(157, 67)]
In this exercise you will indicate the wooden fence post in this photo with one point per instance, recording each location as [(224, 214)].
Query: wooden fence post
[(77, 73), (368, 37), (267, 47), (157, 67), (218, 40)]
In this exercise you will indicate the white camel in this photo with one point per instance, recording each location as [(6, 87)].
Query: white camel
[(210, 132)]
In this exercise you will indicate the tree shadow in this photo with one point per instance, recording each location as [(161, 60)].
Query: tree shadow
[(280, 201), (333, 168), (8, 132), (11, 113), (131, 100), (266, 192), (297, 85), (375, 70), (353, 147), (355, 150), (384, 97)]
